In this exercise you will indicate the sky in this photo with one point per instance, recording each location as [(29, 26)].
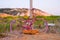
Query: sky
[(49, 6)]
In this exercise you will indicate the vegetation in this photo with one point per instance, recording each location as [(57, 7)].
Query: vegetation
[(5, 22)]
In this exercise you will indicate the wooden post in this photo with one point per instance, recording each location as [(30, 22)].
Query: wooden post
[(47, 28), (31, 9), (10, 26)]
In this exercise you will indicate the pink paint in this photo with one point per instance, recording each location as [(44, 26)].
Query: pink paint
[(28, 24)]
